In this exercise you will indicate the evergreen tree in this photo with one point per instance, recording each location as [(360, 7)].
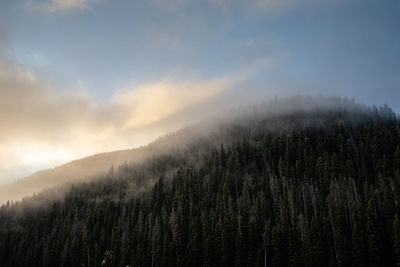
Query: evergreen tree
[(325, 193)]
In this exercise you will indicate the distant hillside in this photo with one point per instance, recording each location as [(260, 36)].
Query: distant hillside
[(309, 185), (88, 168), (72, 172), (98, 165)]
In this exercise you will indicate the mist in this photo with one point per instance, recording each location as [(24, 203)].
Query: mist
[(199, 133), (43, 126), (109, 85), (273, 114)]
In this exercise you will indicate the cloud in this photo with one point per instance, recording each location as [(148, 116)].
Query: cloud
[(62, 5), (269, 4), (227, 5), (170, 5), (153, 102), (166, 40), (42, 125), (260, 5), (28, 103)]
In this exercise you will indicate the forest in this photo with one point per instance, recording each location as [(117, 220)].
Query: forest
[(315, 188)]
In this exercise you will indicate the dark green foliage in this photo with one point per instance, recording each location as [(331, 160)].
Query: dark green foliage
[(396, 237), (323, 193)]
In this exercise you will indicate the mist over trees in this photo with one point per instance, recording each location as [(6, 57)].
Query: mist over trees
[(306, 185)]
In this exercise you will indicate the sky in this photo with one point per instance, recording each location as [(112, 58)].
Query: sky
[(79, 77)]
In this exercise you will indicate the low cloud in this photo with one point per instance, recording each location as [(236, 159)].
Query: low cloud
[(153, 102), (42, 126)]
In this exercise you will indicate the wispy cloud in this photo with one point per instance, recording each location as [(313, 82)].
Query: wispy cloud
[(226, 5), (153, 102), (62, 5), (170, 5), (167, 40), (42, 126), (260, 5)]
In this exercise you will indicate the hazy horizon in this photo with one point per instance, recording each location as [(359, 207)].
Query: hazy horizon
[(80, 77)]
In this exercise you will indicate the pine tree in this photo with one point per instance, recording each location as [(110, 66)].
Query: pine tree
[(372, 231), (396, 239), (317, 248)]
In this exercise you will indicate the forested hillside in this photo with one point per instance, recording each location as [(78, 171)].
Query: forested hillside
[(299, 188)]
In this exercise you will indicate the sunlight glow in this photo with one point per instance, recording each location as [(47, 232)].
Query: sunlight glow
[(39, 155)]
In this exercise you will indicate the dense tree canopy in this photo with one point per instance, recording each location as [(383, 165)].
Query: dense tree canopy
[(322, 192)]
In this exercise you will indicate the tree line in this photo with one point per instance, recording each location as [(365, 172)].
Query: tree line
[(322, 193)]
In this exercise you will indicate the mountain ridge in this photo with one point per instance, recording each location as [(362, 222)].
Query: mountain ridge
[(302, 189), (97, 165)]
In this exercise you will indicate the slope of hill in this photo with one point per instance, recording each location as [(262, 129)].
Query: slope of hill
[(75, 171), (97, 165), (318, 186), (92, 167)]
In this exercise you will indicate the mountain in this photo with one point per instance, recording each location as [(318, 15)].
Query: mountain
[(98, 165), (91, 167), (72, 172), (294, 182)]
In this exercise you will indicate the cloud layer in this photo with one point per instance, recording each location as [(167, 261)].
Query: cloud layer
[(177, 5), (61, 5), (42, 126)]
